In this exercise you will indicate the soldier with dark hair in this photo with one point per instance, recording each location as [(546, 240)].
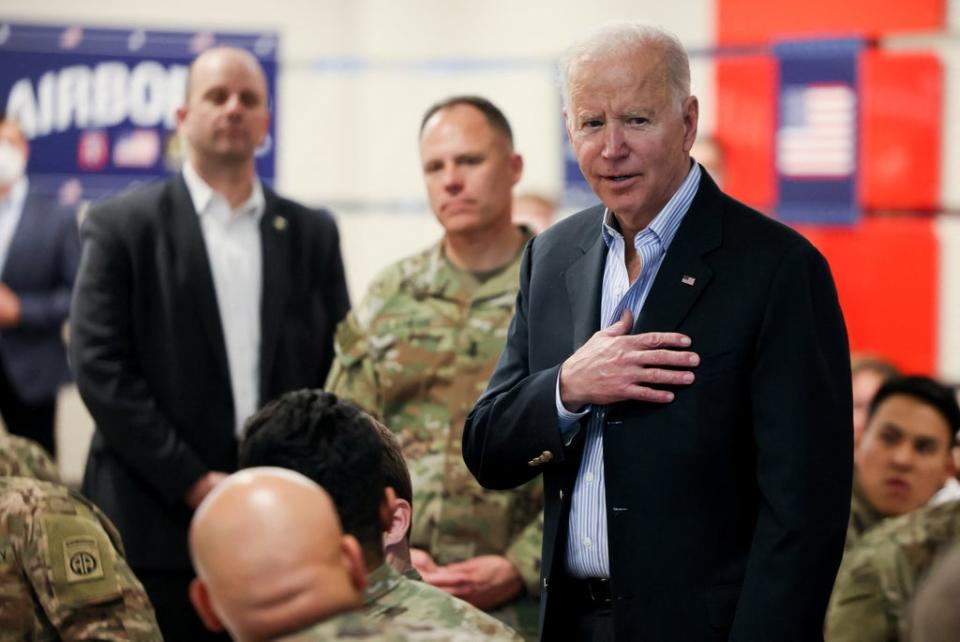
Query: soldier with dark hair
[(903, 457), (340, 447), (419, 349)]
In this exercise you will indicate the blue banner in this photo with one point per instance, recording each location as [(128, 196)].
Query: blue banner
[(98, 105), (816, 146)]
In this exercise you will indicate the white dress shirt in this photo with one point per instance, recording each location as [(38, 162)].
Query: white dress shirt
[(232, 239)]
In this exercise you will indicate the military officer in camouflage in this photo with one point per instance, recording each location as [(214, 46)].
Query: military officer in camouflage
[(63, 575), (904, 455), (358, 462), (417, 353), (273, 563), (879, 578), (22, 457)]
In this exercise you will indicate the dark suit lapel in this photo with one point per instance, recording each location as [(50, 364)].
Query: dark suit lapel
[(683, 275), (192, 267), (584, 279), (275, 238)]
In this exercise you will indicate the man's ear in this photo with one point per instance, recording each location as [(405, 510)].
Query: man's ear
[(951, 466), (201, 603), (395, 516), (691, 116), (516, 168), (352, 557)]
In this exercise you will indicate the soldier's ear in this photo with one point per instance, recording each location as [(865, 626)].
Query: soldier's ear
[(200, 598), (395, 515)]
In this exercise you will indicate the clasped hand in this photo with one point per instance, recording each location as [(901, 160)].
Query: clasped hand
[(617, 366)]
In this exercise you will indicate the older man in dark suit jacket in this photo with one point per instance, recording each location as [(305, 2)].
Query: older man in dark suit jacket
[(678, 371), (198, 300), (39, 252)]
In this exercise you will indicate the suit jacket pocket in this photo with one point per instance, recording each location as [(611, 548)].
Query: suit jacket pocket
[(717, 364)]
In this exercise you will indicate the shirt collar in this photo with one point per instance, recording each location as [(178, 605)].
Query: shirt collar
[(201, 194), (664, 225), (381, 581)]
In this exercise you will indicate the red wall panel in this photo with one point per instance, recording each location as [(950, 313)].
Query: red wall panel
[(760, 21), (746, 120), (901, 103), (887, 275)]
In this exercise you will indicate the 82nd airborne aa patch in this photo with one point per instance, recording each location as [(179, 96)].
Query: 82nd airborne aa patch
[(82, 559)]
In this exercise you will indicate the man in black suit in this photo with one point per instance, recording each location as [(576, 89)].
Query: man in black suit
[(678, 370), (39, 251), (198, 300)]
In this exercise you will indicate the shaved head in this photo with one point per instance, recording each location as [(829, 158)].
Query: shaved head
[(270, 555), (215, 57)]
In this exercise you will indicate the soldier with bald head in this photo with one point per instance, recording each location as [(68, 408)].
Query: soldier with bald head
[(198, 299), (289, 571)]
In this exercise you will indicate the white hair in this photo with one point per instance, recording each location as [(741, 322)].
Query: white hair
[(626, 38)]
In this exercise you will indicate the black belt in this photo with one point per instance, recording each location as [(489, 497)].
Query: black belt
[(594, 590)]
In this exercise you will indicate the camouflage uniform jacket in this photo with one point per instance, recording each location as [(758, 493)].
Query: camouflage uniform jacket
[(878, 580), (863, 517), (22, 457), (391, 596), (417, 353), (356, 626), (62, 571)]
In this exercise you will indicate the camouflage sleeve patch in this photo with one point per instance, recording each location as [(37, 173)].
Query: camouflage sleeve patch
[(80, 560), (525, 552)]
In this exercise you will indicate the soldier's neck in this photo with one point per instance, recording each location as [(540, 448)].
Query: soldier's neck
[(484, 250)]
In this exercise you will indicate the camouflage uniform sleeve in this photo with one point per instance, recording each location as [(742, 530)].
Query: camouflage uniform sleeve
[(524, 553), (353, 376), (83, 585), (22, 457), (857, 607)]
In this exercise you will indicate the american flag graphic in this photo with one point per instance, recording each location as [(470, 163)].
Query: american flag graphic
[(817, 137)]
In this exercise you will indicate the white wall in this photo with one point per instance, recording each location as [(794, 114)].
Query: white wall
[(351, 137)]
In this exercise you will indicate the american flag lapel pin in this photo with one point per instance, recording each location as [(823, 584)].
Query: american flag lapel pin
[(688, 280)]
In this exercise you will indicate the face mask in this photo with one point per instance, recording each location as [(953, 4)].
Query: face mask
[(12, 164)]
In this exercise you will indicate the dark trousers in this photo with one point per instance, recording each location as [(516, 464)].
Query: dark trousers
[(580, 618), (169, 591), (32, 420)]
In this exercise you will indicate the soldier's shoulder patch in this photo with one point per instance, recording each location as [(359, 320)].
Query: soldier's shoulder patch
[(80, 558)]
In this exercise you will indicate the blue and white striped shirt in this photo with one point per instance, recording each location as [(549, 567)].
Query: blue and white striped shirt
[(587, 550)]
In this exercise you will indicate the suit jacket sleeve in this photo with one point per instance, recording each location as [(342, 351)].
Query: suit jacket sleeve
[(801, 413), (516, 418), (110, 376), (49, 308)]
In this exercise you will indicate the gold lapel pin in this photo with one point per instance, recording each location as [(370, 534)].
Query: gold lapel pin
[(279, 223)]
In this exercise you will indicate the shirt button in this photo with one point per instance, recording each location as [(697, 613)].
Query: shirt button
[(588, 477), (587, 542)]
